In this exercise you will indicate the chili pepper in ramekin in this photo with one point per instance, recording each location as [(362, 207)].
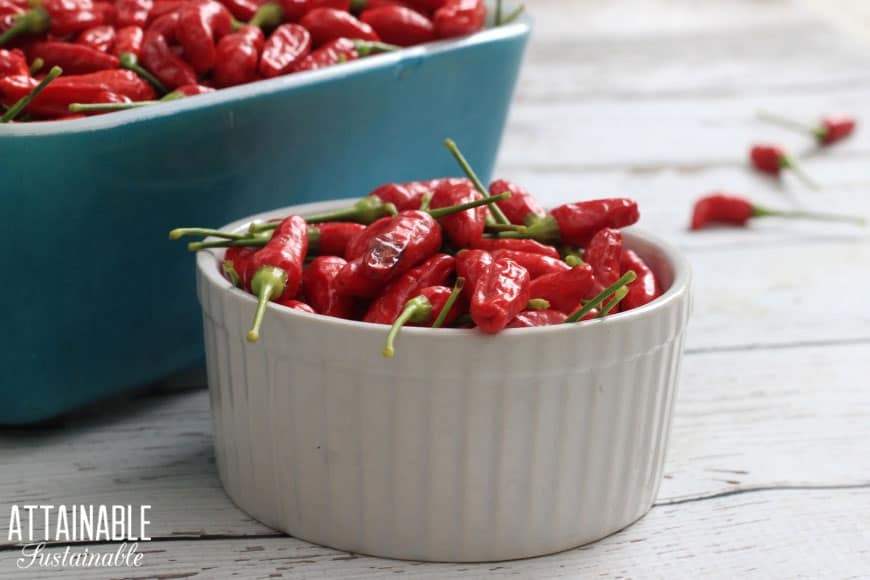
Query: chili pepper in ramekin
[(522, 207), (160, 60), (517, 245), (533, 318), (360, 6), (643, 290), (459, 18), (463, 228), (236, 265), (388, 305), (200, 25), (328, 24), (829, 130), (294, 10), (13, 63), (132, 12), (60, 17), (332, 238), (565, 290), (100, 37), (287, 47), (725, 209), (500, 294), (73, 58), (408, 195), (400, 26), (435, 307), (771, 160), (339, 51), (498, 216), (277, 267), (237, 57), (128, 39), (242, 10), (294, 304), (574, 224), (603, 253), (15, 107), (164, 7), (321, 289), (537, 264), (602, 297)]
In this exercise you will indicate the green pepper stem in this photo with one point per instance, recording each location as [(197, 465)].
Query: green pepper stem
[(419, 310), (449, 303), (129, 61), (786, 122), (19, 105), (574, 260), (94, 107), (267, 283), (425, 200), (494, 227), (545, 230), (614, 302), (490, 201), (366, 211), (625, 279), (357, 6), (498, 12), (34, 21), (478, 185), (758, 211), (366, 47), (205, 232), (788, 162), (36, 65), (538, 304), (268, 15), (253, 241), (517, 12)]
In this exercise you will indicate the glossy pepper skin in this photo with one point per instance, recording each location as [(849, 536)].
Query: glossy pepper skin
[(100, 37), (73, 58), (500, 294), (464, 228), (132, 12), (529, 246), (59, 17), (407, 240), (427, 7), (113, 86), (721, 208), (565, 290), (532, 318), (389, 304), (437, 297), (243, 10), (286, 250), (159, 58), (768, 159), (459, 18), (321, 290), (237, 56), (604, 253), (471, 265), (285, 50), (334, 237), (331, 53), (328, 24), (236, 266), (399, 25), (409, 195), (578, 222), (294, 10), (521, 206), (12, 63), (128, 39), (200, 24), (537, 264), (835, 128), (643, 290)]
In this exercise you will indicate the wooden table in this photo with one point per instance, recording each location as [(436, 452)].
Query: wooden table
[(768, 472)]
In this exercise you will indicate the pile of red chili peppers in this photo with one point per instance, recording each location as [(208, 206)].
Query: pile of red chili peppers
[(443, 253), (120, 54)]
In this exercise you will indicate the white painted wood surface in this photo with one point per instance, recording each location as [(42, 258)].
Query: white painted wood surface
[(768, 473)]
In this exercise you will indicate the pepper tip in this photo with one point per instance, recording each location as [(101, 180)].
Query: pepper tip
[(253, 336), (389, 352)]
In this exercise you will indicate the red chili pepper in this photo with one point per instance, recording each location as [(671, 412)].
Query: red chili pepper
[(132, 12), (427, 6), (321, 289), (236, 266), (161, 61), (409, 195), (604, 253), (433, 307), (407, 240), (433, 272), (328, 24), (530, 246), (12, 63), (200, 25), (73, 58), (574, 224), (772, 160), (643, 290), (829, 130), (399, 25), (164, 7), (332, 53), (471, 265), (55, 99), (719, 208), (294, 10), (565, 290), (332, 238), (285, 50), (537, 264), (193, 90), (294, 304), (533, 318), (166, 24), (128, 39), (277, 267), (60, 17), (99, 37), (360, 6), (106, 12), (464, 228), (500, 294), (459, 17), (521, 207), (243, 10), (238, 56), (123, 82)]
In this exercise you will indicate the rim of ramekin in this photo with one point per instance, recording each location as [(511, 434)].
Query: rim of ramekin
[(206, 263), (520, 27)]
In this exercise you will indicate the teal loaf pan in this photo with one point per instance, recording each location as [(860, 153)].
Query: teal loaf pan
[(97, 300)]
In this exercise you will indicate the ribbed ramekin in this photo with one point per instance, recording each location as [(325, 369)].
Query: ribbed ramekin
[(464, 447)]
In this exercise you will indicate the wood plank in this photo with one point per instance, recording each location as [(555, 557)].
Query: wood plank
[(785, 534), (780, 417)]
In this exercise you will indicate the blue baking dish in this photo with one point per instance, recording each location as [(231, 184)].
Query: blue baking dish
[(96, 299)]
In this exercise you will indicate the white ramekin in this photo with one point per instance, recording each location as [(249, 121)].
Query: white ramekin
[(462, 448)]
